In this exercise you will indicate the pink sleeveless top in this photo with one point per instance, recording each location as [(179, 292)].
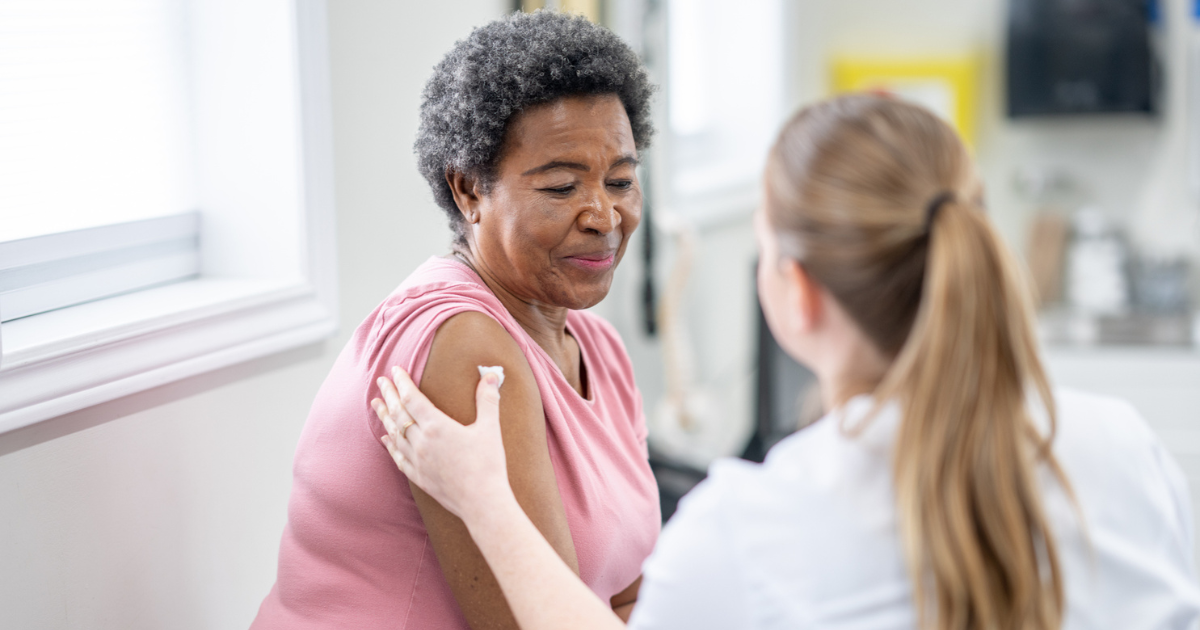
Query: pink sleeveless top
[(355, 553)]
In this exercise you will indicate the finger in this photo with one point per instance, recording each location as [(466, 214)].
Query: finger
[(393, 419), (406, 466), (392, 397), (402, 461), (487, 400), (414, 402), (390, 445), (403, 443), (381, 411)]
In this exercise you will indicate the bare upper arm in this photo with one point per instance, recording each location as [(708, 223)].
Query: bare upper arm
[(462, 343), (623, 602)]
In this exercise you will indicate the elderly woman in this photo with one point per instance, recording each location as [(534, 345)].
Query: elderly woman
[(529, 138)]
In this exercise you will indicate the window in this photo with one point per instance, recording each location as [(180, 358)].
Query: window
[(725, 93), (238, 201), (95, 130), (94, 127)]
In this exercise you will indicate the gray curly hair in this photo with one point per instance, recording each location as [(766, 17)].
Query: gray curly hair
[(505, 66)]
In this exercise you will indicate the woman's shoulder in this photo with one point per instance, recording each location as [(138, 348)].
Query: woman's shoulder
[(1115, 461), (402, 328), (798, 543), (439, 280), (824, 468), (1136, 531), (436, 290), (847, 446), (1104, 441), (1104, 417), (781, 547)]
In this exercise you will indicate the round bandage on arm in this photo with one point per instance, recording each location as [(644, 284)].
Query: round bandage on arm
[(498, 370)]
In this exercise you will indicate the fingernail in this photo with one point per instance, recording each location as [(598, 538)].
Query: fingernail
[(379, 381)]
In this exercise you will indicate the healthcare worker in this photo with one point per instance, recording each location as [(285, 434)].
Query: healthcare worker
[(950, 487)]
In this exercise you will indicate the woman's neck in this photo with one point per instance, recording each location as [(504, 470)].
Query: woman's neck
[(837, 392), (545, 323), (852, 366)]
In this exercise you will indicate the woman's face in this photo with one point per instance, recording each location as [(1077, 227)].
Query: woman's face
[(565, 201)]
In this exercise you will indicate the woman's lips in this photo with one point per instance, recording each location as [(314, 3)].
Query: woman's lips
[(593, 262)]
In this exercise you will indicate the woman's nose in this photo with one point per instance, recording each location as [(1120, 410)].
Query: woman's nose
[(600, 215)]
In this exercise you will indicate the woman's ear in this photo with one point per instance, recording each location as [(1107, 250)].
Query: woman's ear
[(466, 194), (807, 300)]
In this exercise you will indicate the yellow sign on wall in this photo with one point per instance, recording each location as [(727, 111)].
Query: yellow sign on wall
[(948, 86), (591, 9)]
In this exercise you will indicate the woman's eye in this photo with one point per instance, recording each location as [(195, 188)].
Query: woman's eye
[(621, 184), (560, 190)]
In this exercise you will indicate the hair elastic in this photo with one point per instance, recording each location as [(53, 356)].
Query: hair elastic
[(935, 205)]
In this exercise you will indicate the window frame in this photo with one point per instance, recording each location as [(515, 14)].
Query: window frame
[(54, 271), (72, 358)]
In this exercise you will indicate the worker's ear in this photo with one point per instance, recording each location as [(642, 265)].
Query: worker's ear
[(467, 194), (805, 300)]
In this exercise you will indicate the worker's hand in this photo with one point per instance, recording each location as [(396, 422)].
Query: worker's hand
[(461, 466)]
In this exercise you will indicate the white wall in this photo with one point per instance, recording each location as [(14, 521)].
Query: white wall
[(164, 509)]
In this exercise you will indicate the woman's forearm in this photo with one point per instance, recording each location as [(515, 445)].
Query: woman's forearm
[(542, 592)]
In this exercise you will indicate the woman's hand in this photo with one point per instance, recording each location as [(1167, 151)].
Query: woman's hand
[(461, 466)]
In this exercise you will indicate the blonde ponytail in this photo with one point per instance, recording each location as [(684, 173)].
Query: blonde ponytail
[(879, 201), (980, 549)]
